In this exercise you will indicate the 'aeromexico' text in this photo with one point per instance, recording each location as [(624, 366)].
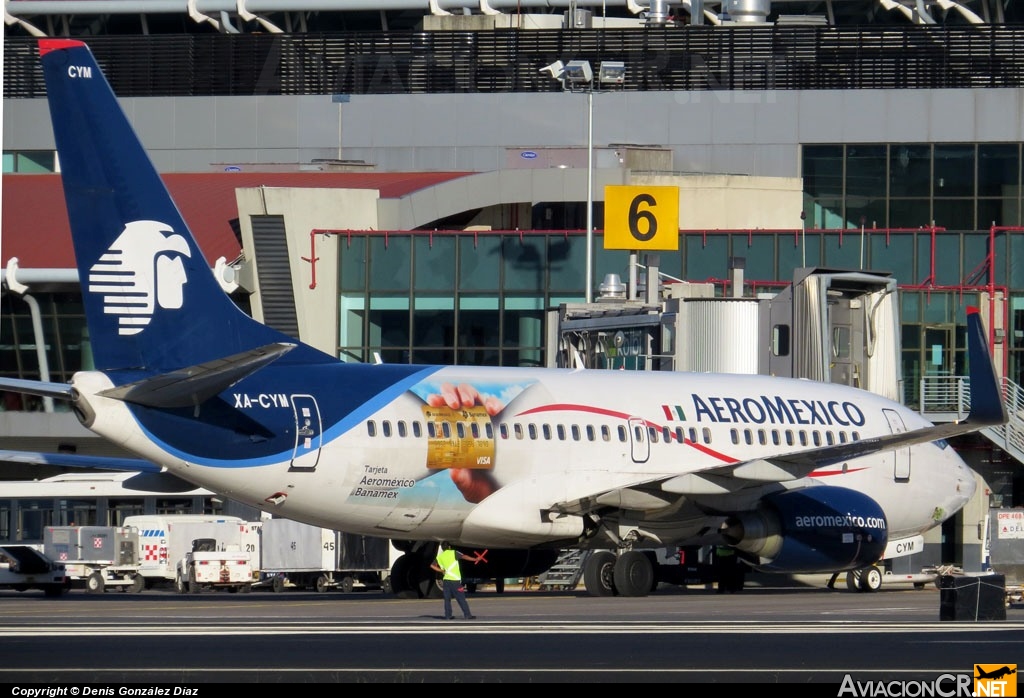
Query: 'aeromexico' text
[(839, 521), (777, 410)]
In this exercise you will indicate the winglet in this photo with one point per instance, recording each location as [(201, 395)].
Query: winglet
[(986, 397)]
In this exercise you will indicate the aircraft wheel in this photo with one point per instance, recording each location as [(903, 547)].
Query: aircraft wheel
[(95, 583), (853, 580), (633, 574), (655, 570), (599, 574), (412, 578), (870, 579), (431, 588), (401, 585)]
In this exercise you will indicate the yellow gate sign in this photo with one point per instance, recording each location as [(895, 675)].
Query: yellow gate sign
[(641, 218)]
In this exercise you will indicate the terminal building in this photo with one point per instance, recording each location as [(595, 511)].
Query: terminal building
[(436, 185)]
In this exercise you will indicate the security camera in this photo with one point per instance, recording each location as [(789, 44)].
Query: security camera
[(555, 69)]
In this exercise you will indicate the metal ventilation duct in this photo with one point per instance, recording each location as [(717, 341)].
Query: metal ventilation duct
[(748, 11)]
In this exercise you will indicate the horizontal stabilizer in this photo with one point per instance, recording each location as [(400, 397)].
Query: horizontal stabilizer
[(58, 391), (70, 460), (197, 384)]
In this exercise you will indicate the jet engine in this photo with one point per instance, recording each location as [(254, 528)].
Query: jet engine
[(814, 529)]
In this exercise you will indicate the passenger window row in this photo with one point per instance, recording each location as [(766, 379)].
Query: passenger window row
[(589, 432), (792, 437)]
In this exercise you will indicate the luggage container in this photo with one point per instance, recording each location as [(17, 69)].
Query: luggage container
[(97, 557), (301, 556)]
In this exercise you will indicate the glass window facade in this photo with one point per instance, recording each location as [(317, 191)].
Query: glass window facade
[(30, 161), (469, 298), (956, 186), (481, 297)]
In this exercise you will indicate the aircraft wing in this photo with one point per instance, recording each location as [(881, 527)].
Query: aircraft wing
[(731, 478), (70, 460), (793, 466), (986, 409)]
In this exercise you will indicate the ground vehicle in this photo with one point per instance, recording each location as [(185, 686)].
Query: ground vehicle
[(207, 567), (310, 557), (87, 498), (165, 540), (22, 567), (97, 557)]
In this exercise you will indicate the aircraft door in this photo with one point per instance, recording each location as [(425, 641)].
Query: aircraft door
[(901, 456), (639, 442), (308, 433), (846, 360)]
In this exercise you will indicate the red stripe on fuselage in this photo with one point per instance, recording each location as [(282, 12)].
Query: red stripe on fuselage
[(566, 407)]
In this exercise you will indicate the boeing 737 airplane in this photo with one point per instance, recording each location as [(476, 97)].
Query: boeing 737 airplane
[(518, 462)]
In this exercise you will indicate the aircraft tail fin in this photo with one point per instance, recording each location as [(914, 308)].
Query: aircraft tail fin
[(151, 301)]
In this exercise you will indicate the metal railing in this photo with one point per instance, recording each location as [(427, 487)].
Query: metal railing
[(948, 398)]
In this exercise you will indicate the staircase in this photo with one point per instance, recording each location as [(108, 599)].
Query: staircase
[(948, 398), (566, 572)]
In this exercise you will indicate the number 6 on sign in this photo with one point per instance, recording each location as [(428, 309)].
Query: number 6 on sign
[(641, 218)]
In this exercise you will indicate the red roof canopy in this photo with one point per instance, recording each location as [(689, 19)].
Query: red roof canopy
[(35, 219)]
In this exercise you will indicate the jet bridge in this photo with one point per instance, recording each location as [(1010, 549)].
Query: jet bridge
[(828, 325)]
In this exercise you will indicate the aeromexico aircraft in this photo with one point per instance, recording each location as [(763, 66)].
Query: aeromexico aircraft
[(518, 462)]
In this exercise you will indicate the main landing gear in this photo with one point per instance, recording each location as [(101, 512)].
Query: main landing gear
[(411, 576), (632, 573), (864, 579)]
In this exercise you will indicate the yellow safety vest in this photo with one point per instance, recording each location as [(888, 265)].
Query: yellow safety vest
[(449, 562)]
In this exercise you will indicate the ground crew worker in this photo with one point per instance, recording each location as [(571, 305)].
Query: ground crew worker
[(447, 562)]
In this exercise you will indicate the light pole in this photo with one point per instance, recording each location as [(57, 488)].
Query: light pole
[(576, 76), (863, 220), (589, 295)]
